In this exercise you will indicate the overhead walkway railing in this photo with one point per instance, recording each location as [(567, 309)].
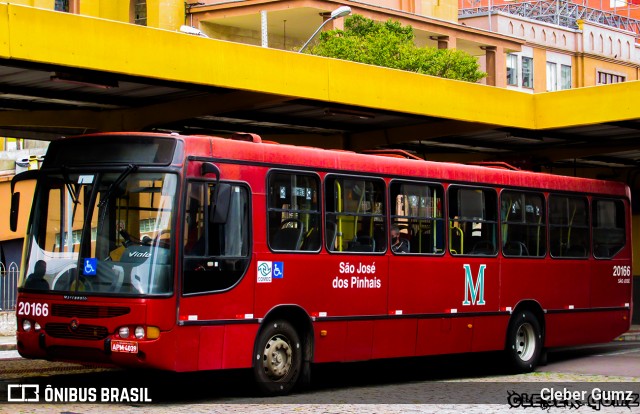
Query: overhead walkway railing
[(561, 13)]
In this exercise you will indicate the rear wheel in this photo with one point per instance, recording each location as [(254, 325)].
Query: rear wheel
[(278, 359), (524, 341)]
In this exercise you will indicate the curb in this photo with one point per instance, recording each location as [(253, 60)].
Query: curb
[(629, 336), (8, 347)]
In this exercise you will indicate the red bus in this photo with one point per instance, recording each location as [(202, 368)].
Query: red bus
[(189, 253)]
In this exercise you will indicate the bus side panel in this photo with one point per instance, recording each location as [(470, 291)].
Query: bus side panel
[(238, 345), (489, 333), (226, 305), (332, 343), (161, 313), (186, 352), (226, 346), (556, 284), (444, 336), (575, 328), (611, 281), (359, 341), (395, 338), (211, 347)]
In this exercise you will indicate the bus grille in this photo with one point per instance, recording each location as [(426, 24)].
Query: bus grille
[(84, 311), (63, 330)]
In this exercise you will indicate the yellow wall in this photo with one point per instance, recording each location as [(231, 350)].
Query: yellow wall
[(591, 66), (165, 14), (440, 9)]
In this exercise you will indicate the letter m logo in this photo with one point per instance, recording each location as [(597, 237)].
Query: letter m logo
[(473, 289)]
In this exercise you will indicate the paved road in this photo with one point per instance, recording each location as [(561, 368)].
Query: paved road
[(476, 383)]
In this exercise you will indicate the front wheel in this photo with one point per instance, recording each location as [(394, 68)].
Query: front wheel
[(278, 359), (524, 342)]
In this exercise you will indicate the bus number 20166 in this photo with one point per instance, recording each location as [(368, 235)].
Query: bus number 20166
[(33, 309), (621, 271)]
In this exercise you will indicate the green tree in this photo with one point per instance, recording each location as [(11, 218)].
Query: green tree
[(392, 45)]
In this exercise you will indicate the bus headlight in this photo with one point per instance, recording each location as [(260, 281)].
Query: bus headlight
[(139, 332), (26, 325), (123, 332), (37, 326)]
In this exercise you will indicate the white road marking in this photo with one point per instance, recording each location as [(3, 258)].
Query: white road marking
[(9, 355)]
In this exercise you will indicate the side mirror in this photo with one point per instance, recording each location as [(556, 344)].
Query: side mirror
[(219, 210), (15, 197), (209, 168), (15, 207)]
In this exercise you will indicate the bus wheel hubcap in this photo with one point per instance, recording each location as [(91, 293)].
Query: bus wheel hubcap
[(525, 341), (276, 358)]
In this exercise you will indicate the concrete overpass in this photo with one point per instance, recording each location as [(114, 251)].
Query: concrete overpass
[(62, 74)]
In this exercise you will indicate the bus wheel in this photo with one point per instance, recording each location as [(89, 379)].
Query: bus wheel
[(278, 358), (524, 341)]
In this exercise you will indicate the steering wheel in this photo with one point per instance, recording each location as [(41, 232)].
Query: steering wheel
[(159, 241), (128, 240)]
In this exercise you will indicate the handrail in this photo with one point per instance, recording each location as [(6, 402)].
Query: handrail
[(393, 153)]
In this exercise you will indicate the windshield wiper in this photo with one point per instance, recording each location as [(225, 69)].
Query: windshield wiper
[(130, 168), (73, 191)]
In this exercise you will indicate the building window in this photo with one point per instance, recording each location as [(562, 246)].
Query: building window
[(565, 77), (527, 72), (138, 12), (552, 77), (604, 78), (512, 69), (61, 5)]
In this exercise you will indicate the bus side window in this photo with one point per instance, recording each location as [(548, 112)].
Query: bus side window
[(216, 255), (355, 215), (472, 221), (568, 226), (523, 224), (416, 213), (608, 228), (194, 234), (293, 212)]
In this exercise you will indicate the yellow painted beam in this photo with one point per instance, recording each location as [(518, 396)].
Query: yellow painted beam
[(5, 50), (124, 48), (587, 106), (44, 36)]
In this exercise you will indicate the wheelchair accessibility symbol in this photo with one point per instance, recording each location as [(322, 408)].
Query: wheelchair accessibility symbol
[(90, 267), (267, 271), (278, 270)]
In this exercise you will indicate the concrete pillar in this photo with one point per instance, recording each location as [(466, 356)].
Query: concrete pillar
[(490, 54), (443, 41)]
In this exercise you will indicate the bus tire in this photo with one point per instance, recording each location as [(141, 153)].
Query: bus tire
[(524, 342), (278, 359)]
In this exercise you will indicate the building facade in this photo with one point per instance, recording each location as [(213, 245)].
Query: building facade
[(556, 57)]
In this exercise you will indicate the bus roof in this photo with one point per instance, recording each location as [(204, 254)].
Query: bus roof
[(340, 161)]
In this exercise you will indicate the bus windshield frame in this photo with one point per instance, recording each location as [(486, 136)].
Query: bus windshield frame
[(107, 231)]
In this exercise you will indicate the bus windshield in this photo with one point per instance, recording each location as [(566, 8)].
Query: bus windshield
[(102, 233)]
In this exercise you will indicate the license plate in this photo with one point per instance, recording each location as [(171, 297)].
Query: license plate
[(124, 346)]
